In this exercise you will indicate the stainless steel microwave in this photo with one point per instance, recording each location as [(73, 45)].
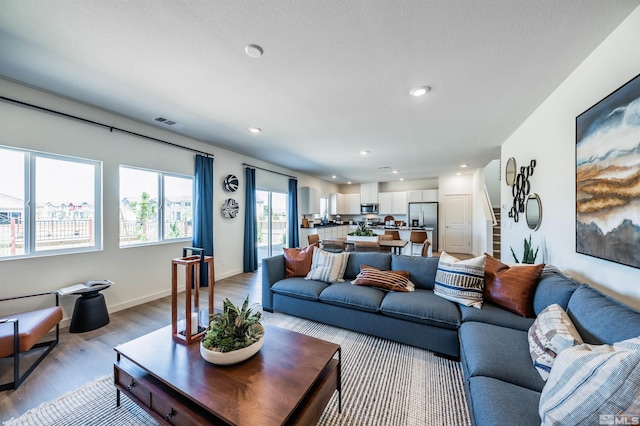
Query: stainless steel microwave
[(369, 208)]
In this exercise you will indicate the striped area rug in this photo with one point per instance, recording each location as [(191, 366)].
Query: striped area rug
[(383, 383)]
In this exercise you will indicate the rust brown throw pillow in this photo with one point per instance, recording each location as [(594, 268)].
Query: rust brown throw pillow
[(511, 288), (385, 280), (297, 262)]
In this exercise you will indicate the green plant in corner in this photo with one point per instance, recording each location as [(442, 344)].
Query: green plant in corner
[(529, 256), (362, 231), (235, 328)]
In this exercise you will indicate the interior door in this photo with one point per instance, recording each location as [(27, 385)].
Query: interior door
[(457, 213)]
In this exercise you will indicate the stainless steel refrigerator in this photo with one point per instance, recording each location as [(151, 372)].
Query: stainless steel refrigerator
[(425, 215)]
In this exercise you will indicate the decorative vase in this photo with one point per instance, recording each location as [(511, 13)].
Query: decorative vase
[(373, 238), (233, 357)]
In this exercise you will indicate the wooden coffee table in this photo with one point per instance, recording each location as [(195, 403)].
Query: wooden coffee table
[(290, 381)]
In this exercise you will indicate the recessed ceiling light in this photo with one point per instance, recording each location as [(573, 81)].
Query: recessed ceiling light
[(458, 174), (348, 183), (254, 50), (334, 176), (464, 165), (255, 129), (364, 152), (420, 90), (401, 178), (394, 172)]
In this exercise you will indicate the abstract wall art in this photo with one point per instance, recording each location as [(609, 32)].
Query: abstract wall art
[(608, 177)]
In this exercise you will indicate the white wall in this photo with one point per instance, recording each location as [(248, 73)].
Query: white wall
[(140, 273), (548, 136)]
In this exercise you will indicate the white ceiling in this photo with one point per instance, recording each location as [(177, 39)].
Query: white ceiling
[(334, 78)]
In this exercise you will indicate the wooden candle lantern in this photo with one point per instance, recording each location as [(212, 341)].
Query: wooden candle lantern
[(190, 330)]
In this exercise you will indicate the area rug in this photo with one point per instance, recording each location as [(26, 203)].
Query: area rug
[(383, 383)]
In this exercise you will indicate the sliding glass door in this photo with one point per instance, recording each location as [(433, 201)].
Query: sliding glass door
[(271, 209)]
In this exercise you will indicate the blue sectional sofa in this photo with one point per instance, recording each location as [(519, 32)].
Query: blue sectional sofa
[(503, 387)]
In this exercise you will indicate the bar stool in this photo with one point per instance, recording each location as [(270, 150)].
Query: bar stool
[(313, 238), (395, 235), (417, 238)]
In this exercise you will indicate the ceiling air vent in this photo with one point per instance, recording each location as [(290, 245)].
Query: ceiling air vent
[(384, 168), (169, 123)]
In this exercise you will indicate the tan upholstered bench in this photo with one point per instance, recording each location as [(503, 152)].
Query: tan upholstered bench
[(22, 332)]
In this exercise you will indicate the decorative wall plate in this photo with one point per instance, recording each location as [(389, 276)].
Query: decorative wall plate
[(230, 208), (231, 183)]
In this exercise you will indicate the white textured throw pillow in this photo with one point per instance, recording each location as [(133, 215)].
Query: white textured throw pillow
[(590, 384), (460, 281), (328, 267), (551, 333)]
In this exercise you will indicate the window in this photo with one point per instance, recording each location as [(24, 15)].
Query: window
[(48, 204), (150, 198)]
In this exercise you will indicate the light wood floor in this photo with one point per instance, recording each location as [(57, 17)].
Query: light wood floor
[(82, 357)]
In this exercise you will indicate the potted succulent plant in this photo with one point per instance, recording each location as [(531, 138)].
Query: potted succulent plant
[(233, 335), (362, 233)]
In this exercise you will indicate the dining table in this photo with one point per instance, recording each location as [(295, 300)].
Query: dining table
[(395, 245)]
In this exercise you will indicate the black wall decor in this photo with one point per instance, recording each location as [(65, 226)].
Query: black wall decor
[(520, 190)]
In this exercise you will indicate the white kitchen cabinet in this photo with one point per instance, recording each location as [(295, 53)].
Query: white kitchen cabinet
[(392, 203), (422, 195), (336, 203), (369, 192), (399, 203), (309, 201), (385, 203), (351, 204)]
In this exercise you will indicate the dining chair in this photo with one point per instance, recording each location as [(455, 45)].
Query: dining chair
[(417, 238), (367, 246), (313, 238), (335, 246), (395, 235), (385, 237), (425, 248)]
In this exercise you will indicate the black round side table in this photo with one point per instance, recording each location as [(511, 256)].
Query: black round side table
[(90, 312)]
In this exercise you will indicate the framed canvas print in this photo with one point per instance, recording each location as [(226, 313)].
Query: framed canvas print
[(608, 177)]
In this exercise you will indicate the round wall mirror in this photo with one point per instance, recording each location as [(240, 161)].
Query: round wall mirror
[(533, 211), (510, 171)]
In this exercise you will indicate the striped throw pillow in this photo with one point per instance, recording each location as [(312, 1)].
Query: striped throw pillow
[(460, 281), (328, 267), (551, 333), (386, 280), (589, 383)]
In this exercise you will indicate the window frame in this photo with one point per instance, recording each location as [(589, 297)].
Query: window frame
[(30, 194), (161, 238)]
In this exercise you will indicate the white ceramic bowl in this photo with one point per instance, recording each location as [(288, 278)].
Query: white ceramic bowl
[(233, 357)]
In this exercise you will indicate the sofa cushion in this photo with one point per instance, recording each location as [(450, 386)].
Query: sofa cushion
[(492, 314), (460, 281), (511, 288), (297, 262), (498, 352), (422, 269), (551, 333), (384, 280), (328, 267), (421, 306), (593, 314), (496, 402), (377, 260), (352, 296), (553, 287), (300, 288), (587, 382)]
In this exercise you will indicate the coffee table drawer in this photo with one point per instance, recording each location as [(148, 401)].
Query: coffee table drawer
[(131, 386), (164, 404)]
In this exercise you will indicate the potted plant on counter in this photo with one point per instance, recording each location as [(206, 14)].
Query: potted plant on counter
[(362, 234), (233, 335)]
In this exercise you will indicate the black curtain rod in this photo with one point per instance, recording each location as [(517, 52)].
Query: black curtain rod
[(96, 123), (270, 171)]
